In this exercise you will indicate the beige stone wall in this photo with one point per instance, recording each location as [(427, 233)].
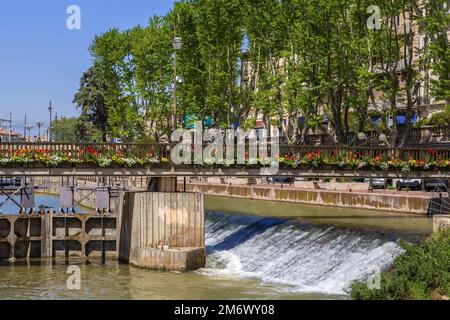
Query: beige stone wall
[(441, 222), (372, 201)]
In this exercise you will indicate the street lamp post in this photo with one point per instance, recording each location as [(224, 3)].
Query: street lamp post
[(50, 109), (29, 127), (39, 125), (177, 45)]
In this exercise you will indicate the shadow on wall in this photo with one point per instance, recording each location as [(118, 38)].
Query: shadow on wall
[(125, 228), (439, 206)]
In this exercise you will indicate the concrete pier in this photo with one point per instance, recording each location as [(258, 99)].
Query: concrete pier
[(163, 231)]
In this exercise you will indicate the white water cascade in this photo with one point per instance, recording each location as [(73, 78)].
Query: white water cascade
[(295, 256)]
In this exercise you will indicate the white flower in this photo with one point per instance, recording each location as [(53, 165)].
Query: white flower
[(362, 164), (228, 163), (153, 160), (406, 169), (104, 162), (54, 160), (209, 161), (129, 162), (265, 161), (384, 166)]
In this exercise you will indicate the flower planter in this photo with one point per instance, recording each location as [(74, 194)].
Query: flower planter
[(85, 165), (177, 167), (34, 164), (138, 166), (301, 166), (10, 164), (60, 165), (314, 162), (113, 166)]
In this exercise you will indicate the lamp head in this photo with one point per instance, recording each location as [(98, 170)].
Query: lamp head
[(177, 43)]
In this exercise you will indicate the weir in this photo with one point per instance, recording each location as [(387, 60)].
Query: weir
[(158, 229)]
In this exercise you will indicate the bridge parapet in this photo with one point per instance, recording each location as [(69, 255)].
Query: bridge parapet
[(108, 159)]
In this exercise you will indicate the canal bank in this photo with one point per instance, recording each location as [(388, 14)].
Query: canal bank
[(419, 204)]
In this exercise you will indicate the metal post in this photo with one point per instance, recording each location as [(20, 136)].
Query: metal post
[(29, 127), (50, 108), (175, 82), (10, 126), (39, 125), (25, 129), (177, 45)]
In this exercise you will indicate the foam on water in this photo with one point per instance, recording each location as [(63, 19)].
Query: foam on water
[(298, 256)]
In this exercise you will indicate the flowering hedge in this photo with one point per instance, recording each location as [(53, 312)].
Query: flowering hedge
[(339, 160), (87, 157), (357, 160)]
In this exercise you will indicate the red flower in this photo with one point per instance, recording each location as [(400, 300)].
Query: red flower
[(91, 151), (432, 151)]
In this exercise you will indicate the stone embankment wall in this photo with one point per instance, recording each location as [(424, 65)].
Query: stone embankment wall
[(441, 222), (400, 203)]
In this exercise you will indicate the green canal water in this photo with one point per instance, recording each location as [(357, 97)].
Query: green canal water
[(255, 250)]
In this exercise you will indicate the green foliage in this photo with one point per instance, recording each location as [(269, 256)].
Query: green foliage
[(422, 272), (309, 58), (437, 55), (91, 98), (63, 129), (437, 119), (75, 130)]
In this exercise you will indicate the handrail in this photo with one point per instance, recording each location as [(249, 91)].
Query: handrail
[(62, 146), (163, 150), (421, 135)]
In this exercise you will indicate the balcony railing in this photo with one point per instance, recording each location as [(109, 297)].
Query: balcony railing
[(418, 136)]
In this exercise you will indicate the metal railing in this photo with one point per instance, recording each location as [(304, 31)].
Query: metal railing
[(163, 150), (418, 136), (75, 149)]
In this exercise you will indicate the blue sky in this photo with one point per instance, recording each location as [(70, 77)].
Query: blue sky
[(41, 60)]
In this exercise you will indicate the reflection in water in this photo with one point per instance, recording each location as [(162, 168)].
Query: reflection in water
[(252, 256), (119, 281), (358, 218)]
